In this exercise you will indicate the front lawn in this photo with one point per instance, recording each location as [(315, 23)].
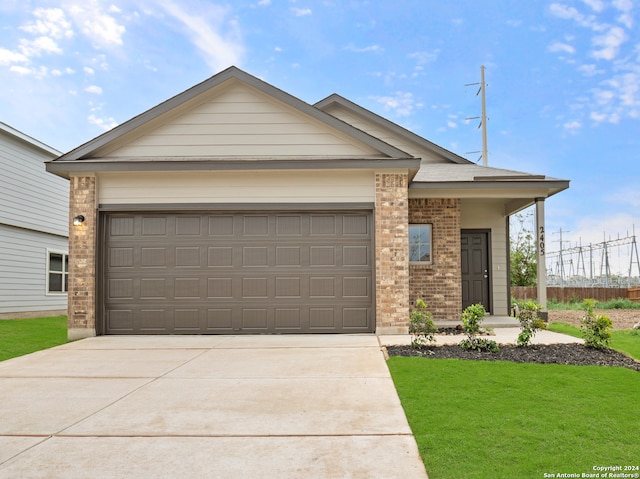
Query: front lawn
[(479, 419), (23, 336)]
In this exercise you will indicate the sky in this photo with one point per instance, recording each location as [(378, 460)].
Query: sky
[(563, 78)]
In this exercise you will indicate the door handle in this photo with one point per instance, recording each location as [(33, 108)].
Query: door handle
[(485, 275)]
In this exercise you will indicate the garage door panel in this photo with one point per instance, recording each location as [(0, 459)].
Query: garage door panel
[(154, 226), (187, 320), (238, 273), (153, 257)]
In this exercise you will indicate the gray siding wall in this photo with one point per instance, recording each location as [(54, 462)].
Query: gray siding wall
[(29, 196), (23, 271)]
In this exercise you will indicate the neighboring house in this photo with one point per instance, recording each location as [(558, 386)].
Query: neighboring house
[(235, 207), (34, 208)]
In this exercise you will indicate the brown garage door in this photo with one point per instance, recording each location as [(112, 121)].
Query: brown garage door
[(232, 273)]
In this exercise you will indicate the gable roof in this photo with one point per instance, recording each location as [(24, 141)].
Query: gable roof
[(9, 130), (87, 150), (336, 99)]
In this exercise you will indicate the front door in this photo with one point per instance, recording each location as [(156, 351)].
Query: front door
[(475, 268)]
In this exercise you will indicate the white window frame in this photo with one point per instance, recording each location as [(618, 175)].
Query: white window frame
[(65, 274), (421, 225)]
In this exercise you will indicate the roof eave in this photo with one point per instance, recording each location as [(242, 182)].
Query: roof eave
[(67, 168), (553, 186)]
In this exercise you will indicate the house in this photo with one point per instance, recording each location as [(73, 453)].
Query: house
[(235, 207), (34, 220)]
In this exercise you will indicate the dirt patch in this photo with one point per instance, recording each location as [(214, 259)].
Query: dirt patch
[(621, 318), (576, 354)]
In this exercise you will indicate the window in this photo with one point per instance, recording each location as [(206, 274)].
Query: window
[(57, 272), (420, 243)]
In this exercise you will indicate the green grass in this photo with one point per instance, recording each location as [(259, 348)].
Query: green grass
[(477, 419), (23, 336), (624, 340)]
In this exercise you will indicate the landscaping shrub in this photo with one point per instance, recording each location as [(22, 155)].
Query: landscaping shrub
[(421, 326), (596, 328), (472, 318), (530, 322)]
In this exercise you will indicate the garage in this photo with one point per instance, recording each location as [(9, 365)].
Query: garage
[(236, 272)]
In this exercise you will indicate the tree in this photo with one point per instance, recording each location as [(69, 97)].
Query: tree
[(524, 264)]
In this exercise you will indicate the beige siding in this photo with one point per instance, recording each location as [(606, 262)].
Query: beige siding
[(488, 215), (236, 187), (239, 121), (385, 135)]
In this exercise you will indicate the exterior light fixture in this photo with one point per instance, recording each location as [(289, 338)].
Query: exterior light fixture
[(78, 220)]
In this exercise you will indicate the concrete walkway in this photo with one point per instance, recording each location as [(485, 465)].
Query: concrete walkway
[(205, 406), (501, 335)]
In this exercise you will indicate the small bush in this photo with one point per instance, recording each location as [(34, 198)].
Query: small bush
[(479, 344), (530, 323), (421, 326), (596, 328), (472, 318)]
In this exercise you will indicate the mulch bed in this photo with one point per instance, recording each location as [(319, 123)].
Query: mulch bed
[(576, 354)]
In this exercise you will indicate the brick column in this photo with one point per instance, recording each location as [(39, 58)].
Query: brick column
[(392, 253), (81, 321)]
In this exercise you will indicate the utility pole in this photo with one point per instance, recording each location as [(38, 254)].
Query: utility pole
[(482, 117), (485, 151)]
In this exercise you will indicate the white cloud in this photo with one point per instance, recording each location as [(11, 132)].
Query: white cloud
[(96, 24), (597, 5), (264, 3), (7, 57), (105, 124), (424, 57), (89, 71), (96, 90), (36, 72), (370, 48), (35, 48), (572, 126), (623, 5), (66, 71), (205, 30), (301, 12), (590, 70), (562, 11), (402, 103), (49, 22), (561, 47), (609, 44)]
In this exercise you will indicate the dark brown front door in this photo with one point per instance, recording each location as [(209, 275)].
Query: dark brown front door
[(475, 269), (233, 273)]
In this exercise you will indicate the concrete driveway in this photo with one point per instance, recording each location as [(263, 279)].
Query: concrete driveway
[(316, 406)]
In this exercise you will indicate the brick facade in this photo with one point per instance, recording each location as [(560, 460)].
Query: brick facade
[(438, 283), (82, 258), (392, 253)]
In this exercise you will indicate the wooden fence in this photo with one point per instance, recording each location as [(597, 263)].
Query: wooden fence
[(576, 294)]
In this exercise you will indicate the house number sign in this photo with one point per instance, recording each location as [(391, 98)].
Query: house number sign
[(541, 240)]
